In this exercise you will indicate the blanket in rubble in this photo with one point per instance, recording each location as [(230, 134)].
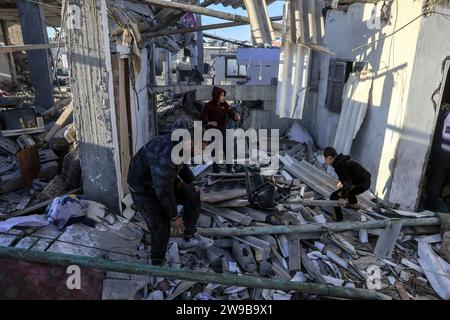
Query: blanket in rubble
[(64, 208)]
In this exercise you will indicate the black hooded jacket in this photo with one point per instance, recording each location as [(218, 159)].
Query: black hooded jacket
[(152, 168), (350, 172), (216, 111)]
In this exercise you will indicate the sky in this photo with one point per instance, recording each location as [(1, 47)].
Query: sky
[(241, 32), (237, 33)]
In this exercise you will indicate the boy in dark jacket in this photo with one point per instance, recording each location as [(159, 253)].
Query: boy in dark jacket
[(353, 180), (157, 185), (215, 115)]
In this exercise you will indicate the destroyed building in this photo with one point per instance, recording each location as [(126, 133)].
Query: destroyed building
[(367, 77)]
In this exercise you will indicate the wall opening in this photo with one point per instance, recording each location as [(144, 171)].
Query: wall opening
[(436, 186)]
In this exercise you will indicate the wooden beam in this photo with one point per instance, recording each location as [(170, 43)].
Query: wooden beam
[(199, 28), (194, 29), (178, 16), (61, 122), (120, 98), (27, 47), (204, 11), (65, 260)]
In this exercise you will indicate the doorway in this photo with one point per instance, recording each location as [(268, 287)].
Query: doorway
[(436, 182)]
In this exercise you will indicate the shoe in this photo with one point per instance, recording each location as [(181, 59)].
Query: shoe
[(197, 241)]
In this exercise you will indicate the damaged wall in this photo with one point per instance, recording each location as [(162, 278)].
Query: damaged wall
[(93, 99), (420, 115), (392, 62)]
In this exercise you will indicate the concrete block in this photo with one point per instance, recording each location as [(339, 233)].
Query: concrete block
[(243, 254)]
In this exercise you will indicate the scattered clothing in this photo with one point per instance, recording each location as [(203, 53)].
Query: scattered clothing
[(35, 220), (63, 208)]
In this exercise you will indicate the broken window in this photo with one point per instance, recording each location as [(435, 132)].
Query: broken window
[(233, 70), (338, 74)]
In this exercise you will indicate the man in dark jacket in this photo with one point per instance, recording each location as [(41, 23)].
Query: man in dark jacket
[(157, 185), (353, 180), (439, 159), (215, 115)]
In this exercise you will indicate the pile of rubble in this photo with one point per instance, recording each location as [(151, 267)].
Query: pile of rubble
[(38, 153), (273, 226), (171, 106)]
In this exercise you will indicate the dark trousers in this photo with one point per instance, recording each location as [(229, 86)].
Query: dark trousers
[(437, 177), (351, 197), (159, 223), (215, 165)]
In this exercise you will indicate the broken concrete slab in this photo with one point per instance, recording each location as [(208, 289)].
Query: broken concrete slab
[(386, 242), (227, 213), (262, 248), (436, 269), (255, 214), (244, 256), (295, 263), (94, 241), (8, 145)]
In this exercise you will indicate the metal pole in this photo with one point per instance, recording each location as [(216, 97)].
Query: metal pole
[(64, 260), (177, 17), (204, 11), (193, 29), (317, 227), (199, 28)]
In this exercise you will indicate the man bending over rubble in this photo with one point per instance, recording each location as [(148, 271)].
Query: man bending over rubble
[(157, 185), (354, 179)]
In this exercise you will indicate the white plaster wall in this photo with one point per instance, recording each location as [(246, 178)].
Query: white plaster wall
[(420, 116), (392, 61)]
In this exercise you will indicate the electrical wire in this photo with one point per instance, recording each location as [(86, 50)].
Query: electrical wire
[(390, 35)]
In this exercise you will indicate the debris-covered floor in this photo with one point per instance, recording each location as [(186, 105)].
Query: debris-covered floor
[(406, 263)]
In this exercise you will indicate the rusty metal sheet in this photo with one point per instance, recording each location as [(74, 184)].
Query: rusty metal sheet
[(35, 281)]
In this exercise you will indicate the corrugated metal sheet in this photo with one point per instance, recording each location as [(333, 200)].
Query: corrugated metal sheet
[(317, 179), (261, 26), (354, 106), (303, 24)]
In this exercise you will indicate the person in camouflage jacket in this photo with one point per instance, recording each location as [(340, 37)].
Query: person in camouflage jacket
[(157, 186)]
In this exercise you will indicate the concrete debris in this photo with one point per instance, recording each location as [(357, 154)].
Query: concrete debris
[(43, 206)]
